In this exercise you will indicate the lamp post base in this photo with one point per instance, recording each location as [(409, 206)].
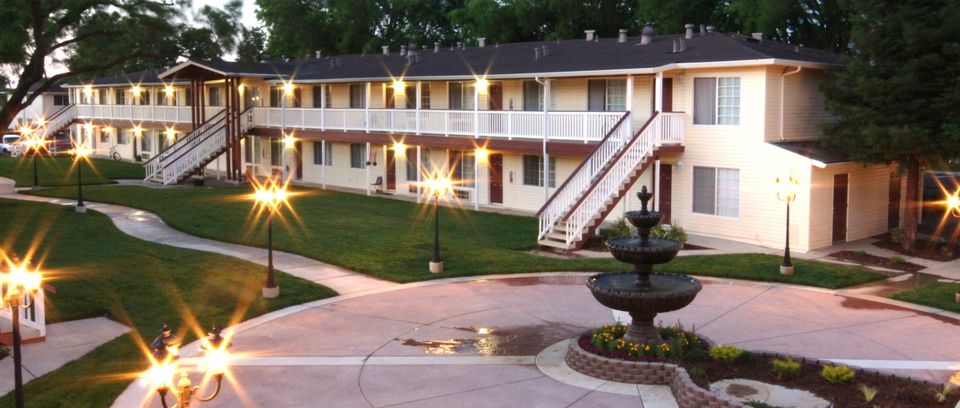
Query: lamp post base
[(80, 209), (271, 293), (35, 188), (436, 267), (786, 270)]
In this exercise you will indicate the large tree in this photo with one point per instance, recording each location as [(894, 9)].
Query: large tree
[(35, 33), (896, 100)]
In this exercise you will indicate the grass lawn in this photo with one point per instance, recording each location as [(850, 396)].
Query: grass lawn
[(938, 295), (59, 171), (393, 239), (99, 271)]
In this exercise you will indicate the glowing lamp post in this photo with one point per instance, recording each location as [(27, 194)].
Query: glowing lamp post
[(270, 197), (81, 154), (35, 144), (787, 192), (287, 91), (437, 185), (163, 369), (952, 202), (18, 289)]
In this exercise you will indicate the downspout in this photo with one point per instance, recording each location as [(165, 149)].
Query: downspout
[(546, 160), (782, 93)]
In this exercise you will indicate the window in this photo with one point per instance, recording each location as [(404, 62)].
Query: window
[(146, 141), (163, 98), (532, 96), (328, 96), (716, 191), (188, 96), (358, 96), (318, 97), (425, 95), (102, 96), (275, 92), (214, 94), (275, 150), (251, 150), (322, 154), (61, 100), (251, 96), (358, 156), (412, 164), (297, 98), (123, 136), (120, 98), (410, 94), (608, 95), (462, 165), (104, 136), (144, 96), (461, 95), (716, 101), (533, 171)]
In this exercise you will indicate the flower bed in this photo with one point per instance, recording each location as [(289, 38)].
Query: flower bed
[(688, 365)]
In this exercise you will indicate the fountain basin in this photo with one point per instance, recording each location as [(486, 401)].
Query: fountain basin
[(620, 291), (643, 219), (635, 250)]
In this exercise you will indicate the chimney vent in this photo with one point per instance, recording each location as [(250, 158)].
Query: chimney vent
[(676, 47), (386, 49), (460, 44), (683, 44), (546, 51), (646, 35), (711, 29), (536, 53), (622, 37), (590, 34), (689, 28), (703, 29), (318, 54), (481, 42), (757, 36), (436, 46), (285, 58), (403, 50)]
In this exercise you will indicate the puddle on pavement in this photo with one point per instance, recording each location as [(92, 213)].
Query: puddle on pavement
[(539, 280), (887, 287), (511, 341)]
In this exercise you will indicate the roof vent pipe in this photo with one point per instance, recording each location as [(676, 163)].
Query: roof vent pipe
[(318, 54), (689, 28), (481, 42), (757, 36), (711, 29), (622, 37), (436, 46), (590, 34), (285, 58), (703, 29), (546, 51), (676, 47), (386, 49), (683, 44), (646, 35), (460, 44), (403, 50), (536, 53)]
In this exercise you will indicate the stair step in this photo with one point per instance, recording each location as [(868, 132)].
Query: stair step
[(555, 244), (559, 236)]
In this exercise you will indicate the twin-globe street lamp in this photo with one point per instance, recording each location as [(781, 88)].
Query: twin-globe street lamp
[(787, 191), (33, 143), (18, 290), (81, 154), (438, 185), (163, 367), (270, 197)]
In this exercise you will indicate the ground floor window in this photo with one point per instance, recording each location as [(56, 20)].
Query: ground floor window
[(104, 137), (533, 171), (250, 150), (412, 164), (322, 155), (463, 168), (358, 156), (275, 150), (146, 141), (716, 191), (123, 136)]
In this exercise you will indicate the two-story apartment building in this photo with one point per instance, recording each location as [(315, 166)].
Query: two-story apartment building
[(567, 131)]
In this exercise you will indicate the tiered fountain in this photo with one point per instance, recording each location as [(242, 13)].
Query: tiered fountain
[(643, 293)]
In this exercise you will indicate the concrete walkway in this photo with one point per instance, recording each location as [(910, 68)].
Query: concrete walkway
[(149, 227), (473, 342), (65, 342)]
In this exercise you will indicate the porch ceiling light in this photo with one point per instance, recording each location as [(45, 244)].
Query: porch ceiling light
[(171, 133), (399, 149), (289, 141), (168, 90), (88, 90), (398, 86), (88, 126), (288, 88), (482, 85), (137, 131), (135, 90), (482, 154)]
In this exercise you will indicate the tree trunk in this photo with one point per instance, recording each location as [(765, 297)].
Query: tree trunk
[(911, 211)]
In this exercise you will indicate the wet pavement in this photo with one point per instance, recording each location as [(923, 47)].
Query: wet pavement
[(471, 343)]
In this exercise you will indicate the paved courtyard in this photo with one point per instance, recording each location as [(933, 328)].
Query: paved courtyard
[(473, 342)]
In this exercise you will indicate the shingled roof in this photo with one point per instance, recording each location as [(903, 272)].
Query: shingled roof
[(145, 77)]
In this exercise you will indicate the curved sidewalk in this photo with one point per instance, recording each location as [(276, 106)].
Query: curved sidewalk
[(149, 227), (472, 342)]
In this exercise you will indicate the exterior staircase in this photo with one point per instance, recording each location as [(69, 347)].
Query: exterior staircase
[(61, 118), (193, 152), (33, 324), (585, 199)]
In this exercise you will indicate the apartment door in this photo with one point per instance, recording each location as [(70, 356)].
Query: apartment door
[(495, 93), (496, 178), (666, 191), (390, 102), (392, 170), (298, 151), (668, 94), (893, 212), (841, 184)]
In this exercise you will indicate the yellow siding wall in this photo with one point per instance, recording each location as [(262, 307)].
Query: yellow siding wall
[(805, 107), (867, 202)]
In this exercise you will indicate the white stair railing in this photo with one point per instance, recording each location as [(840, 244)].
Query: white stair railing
[(200, 150), (153, 166), (581, 179), (33, 318), (662, 128), (61, 118)]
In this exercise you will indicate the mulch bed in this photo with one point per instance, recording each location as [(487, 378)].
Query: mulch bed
[(893, 392), (874, 260), (924, 249)]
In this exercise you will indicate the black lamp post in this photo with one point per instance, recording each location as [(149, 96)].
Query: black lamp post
[(81, 153), (19, 290), (271, 197), (437, 185), (787, 191), (163, 368)]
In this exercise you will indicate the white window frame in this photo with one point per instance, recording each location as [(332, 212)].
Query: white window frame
[(716, 192), (716, 101)]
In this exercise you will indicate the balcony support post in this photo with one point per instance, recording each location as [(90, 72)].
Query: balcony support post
[(546, 135), (476, 110), (323, 155), (323, 106), (366, 115), (658, 93), (419, 100), (368, 163), (419, 174), (629, 105), (656, 185)]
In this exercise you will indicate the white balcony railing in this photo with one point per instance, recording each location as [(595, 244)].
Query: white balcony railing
[(567, 126), (138, 113)]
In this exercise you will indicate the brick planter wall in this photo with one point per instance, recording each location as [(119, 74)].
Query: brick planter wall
[(688, 394)]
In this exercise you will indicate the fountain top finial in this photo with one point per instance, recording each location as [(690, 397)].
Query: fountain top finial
[(644, 197)]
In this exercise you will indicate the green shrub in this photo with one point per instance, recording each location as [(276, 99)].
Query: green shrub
[(869, 393), (897, 235), (619, 229), (674, 232), (698, 372), (863, 254), (896, 260), (837, 374), (726, 354), (787, 367)]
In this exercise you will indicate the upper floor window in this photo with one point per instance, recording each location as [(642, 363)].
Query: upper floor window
[(297, 100), (425, 95), (410, 93), (167, 99), (214, 94), (358, 96), (532, 96), (275, 93), (102, 96), (119, 97), (318, 96), (144, 97), (716, 191), (533, 171), (322, 154), (607, 95), (461, 95), (61, 100), (358, 156), (188, 97), (716, 101)]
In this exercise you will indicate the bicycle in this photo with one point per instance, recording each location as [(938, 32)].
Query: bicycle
[(114, 154)]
